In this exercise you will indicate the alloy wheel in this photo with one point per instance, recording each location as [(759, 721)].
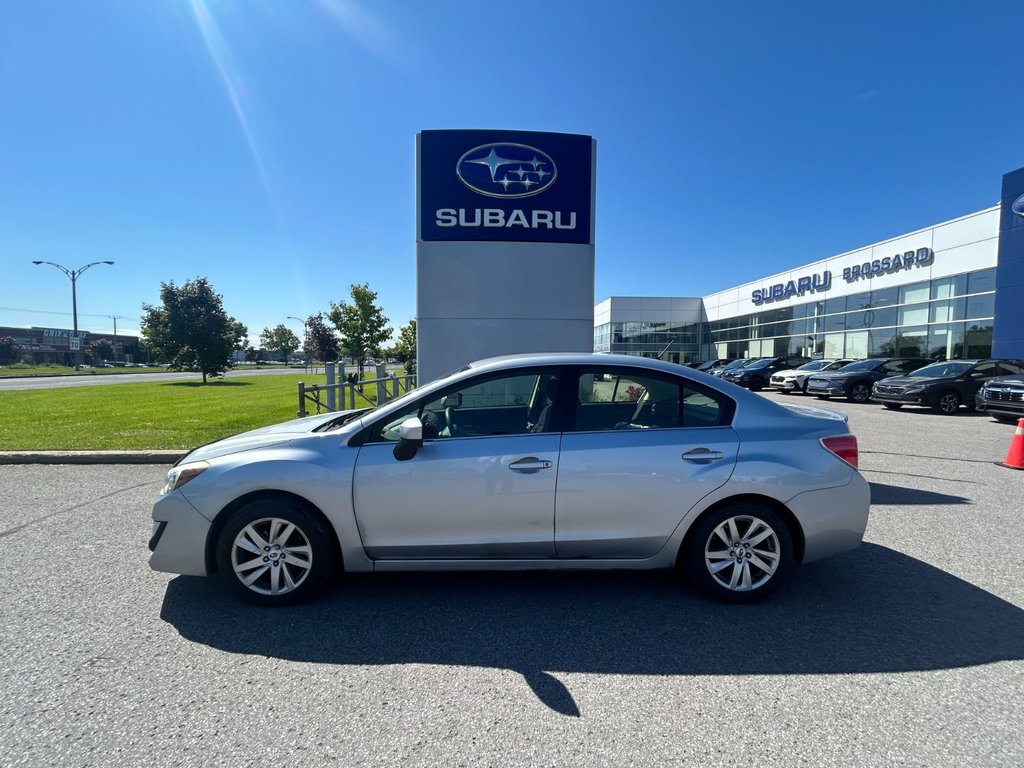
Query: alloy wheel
[(742, 553), (271, 556), (949, 403), (860, 393)]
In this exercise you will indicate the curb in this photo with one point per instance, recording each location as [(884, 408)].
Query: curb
[(90, 457)]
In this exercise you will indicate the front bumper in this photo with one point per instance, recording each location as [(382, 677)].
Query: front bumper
[(826, 388), (903, 398), (180, 547), (784, 384)]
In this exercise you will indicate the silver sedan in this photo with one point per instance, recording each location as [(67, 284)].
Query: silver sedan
[(526, 462)]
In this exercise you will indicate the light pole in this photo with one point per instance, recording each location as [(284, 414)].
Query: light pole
[(73, 275), (305, 354)]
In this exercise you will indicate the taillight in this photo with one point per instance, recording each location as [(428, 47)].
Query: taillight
[(843, 446)]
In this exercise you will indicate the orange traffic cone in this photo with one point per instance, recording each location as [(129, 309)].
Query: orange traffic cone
[(1015, 456)]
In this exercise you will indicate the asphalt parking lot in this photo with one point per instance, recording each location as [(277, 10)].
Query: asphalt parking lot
[(908, 651)]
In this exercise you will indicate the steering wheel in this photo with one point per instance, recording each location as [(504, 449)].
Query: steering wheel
[(432, 425)]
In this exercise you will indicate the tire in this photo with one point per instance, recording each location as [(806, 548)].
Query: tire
[(756, 384), (892, 406), (859, 393), (276, 580), (713, 565), (948, 403)]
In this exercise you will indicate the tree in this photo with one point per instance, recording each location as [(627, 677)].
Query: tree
[(321, 340), (405, 348), (8, 350), (362, 325), (101, 350), (280, 340), (191, 331)]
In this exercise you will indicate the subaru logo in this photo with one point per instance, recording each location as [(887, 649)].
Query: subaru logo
[(506, 170), (1018, 206)]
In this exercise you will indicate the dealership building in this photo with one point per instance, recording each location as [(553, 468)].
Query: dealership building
[(952, 290)]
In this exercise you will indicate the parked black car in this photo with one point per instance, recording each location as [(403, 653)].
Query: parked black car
[(735, 364), (708, 365), (943, 386), (756, 376), (1003, 397), (854, 381)]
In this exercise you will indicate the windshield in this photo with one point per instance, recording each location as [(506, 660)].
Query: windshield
[(862, 365), (814, 365), (737, 364), (759, 364), (942, 369)]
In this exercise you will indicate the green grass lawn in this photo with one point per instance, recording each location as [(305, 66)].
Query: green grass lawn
[(147, 415)]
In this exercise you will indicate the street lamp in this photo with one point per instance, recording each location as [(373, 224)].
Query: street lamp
[(73, 275), (304, 335)]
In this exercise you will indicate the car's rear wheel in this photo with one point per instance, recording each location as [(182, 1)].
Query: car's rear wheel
[(739, 553), (893, 406), (948, 403), (275, 552), (860, 393)]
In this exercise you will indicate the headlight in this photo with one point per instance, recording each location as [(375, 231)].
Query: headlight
[(178, 476)]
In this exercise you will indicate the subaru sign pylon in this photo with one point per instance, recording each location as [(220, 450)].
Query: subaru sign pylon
[(504, 245)]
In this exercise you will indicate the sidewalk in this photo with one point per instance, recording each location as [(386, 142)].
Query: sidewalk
[(90, 457)]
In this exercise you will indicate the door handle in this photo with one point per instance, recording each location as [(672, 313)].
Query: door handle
[(529, 464), (702, 454)]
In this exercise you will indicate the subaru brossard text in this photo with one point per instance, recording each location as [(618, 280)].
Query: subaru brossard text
[(527, 462)]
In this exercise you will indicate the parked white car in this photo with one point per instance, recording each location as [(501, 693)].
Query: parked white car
[(526, 462)]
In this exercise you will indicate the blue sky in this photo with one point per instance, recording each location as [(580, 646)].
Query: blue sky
[(268, 145)]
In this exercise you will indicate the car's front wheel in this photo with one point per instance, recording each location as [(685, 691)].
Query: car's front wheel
[(948, 403), (275, 552), (739, 553), (860, 393)]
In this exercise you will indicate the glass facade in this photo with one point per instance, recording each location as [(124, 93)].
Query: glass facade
[(685, 342), (945, 318)]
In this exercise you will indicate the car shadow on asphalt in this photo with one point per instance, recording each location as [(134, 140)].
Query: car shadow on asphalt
[(873, 610), (883, 494)]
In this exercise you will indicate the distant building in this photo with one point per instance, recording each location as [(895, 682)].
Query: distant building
[(58, 346)]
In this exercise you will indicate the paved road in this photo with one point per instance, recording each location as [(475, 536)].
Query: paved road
[(92, 380), (908, 651)]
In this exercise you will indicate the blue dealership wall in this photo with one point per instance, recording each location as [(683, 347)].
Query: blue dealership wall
[(1008, 330)]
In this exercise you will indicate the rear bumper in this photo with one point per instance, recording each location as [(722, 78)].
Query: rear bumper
[(833, 519)]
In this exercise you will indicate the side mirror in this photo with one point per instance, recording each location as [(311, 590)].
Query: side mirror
[(410, 439), (454, 400)]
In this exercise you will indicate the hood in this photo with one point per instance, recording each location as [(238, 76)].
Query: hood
[(1006, 381), (264, 437), (913, 381), (840, 374)]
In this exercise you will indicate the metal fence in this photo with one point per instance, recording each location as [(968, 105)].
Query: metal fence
[(341, 392)]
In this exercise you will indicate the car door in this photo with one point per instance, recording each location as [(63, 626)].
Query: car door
[(481, 486), (638, 452)]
